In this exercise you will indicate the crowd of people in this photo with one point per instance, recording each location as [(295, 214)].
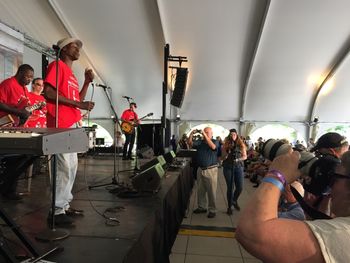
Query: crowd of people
[(301, 208)]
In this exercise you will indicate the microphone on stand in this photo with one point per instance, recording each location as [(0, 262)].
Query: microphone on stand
[(55, 47), (126, 97), (102, 86)]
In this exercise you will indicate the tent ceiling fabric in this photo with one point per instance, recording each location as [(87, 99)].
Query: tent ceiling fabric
[(279, 61)]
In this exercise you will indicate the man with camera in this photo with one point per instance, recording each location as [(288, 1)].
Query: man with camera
[(329, 149), (208, 170), (271, 239)]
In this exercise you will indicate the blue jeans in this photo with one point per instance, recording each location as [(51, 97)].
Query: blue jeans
[(233, 175)]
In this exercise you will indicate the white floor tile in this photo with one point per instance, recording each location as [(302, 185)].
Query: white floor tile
[(177, 258), (213, 246), (180, 244)]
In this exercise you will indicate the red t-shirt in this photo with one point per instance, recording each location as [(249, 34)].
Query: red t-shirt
[(67, 87), (11, 93), (38, 117), (129, 115)]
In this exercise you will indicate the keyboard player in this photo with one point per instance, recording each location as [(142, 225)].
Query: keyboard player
[(12, 91)]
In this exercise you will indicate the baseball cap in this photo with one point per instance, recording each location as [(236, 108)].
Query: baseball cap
[(66, 41), (133, 103), (330, 140)]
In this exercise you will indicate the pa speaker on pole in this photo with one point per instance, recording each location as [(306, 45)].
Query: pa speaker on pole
[(180, 87)]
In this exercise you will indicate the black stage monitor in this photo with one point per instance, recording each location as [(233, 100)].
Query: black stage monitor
[(159, 159), (149, 179), (169, 157)]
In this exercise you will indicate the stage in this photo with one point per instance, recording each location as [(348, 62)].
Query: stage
[(147, 228)]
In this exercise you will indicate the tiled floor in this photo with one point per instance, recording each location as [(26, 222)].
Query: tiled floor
[(203, 249)]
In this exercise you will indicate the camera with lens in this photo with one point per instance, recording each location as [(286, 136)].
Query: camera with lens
[(197, 131), (316, 171)]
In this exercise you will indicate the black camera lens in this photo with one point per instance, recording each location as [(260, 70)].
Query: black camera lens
[(273, 148), (315, 171)]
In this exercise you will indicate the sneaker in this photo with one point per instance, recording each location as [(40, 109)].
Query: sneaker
[(61, 220), (229, 211), (211, 215), (125, 158), (236, 206), (200, 210), (74, 212), (130, 158)]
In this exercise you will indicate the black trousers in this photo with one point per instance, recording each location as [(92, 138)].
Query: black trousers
[(129, 144), (12, 166)]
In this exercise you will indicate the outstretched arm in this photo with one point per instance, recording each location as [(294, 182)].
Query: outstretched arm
[(271, 239)]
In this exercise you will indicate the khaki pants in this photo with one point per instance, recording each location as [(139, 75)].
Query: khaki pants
[(207, 184)]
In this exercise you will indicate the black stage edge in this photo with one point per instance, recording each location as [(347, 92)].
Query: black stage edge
[(148, 225)]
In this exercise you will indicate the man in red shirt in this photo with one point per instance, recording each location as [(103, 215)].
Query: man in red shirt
[(38, 117), (12, 91), (70, 101), (130, 117)]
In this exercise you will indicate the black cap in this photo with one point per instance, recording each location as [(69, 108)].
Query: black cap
[(233, 130), (330, 140), (133, 103)]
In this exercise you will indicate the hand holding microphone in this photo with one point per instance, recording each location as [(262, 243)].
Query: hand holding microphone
[(89, 75)]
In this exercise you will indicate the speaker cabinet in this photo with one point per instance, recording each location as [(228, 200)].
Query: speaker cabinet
[(160, 159), (149, 179), (180, 87), (169, 157), (146, 152)]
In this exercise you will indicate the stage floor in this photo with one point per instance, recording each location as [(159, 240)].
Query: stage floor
[(93, 238)]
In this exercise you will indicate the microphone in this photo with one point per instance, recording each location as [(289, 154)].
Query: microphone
[(126, 97), (55, 47), (102, 86)]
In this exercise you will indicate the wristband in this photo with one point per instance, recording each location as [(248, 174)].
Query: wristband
[(279, 176), (275, 182)]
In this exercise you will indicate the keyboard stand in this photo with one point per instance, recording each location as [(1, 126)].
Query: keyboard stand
[(25, 241)]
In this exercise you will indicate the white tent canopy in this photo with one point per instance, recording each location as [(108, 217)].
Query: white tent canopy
[(250, 61)]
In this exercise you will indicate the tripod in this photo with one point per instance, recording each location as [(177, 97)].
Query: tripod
[(115, 178)]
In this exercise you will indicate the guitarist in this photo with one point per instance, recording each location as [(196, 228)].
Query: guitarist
[(131, 117), (12, 91)]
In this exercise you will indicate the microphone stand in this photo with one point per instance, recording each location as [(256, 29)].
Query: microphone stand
[(52, 233), (115, 179)]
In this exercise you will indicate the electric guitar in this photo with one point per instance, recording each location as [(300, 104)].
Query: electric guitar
[(128, 126), (11, 120)]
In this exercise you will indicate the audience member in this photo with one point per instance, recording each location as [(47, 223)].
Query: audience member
[(259, 229), (208, 170), (289, 207), (183, 142), (119, 141), (234, 152), (173, 143)]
